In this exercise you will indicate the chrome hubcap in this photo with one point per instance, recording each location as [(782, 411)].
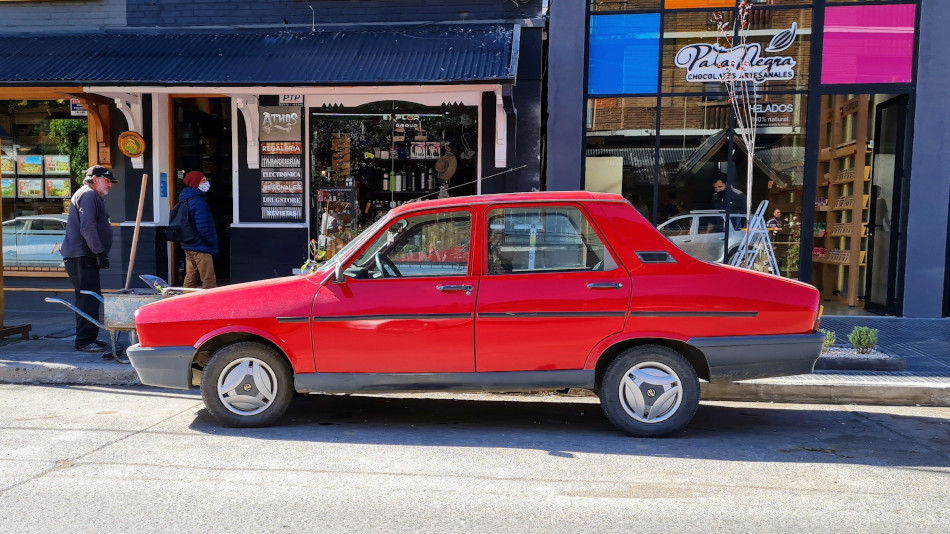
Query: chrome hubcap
[(247, 386), (650, 392)]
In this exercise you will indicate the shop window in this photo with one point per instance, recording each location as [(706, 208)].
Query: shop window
[(623, 56), (868, 44), (423, 245), (369, 159), (777, 49), (543, 239), (43, 148)]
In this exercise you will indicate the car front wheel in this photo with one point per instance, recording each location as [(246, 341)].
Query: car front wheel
[(650, 391), (247, 384)]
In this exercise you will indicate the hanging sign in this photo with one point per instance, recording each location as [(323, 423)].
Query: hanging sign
[(709, 62), (131, 144), (280, 123)]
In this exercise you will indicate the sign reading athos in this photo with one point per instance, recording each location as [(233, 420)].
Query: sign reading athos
[(705, 62)]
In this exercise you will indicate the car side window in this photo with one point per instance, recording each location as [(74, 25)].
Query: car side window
[(14, 227), (710, 225), (432, 244), (48, 226), (677, 227), (556, 238)]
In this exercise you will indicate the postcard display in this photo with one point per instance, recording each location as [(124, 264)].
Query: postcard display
[(282, 187), (36, 176)]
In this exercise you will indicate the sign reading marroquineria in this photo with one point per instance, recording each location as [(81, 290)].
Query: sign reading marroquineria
[(709, 62)]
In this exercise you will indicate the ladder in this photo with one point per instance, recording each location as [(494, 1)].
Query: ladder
[(756, 252)]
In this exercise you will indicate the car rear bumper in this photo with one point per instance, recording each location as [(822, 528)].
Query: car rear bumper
[(167, 367), (746, 357)]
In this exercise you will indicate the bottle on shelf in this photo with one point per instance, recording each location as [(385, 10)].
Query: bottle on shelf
[(399, 184), (431, 180), (386, 181)]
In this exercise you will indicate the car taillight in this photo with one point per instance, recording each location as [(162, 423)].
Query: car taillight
[(821, 309)]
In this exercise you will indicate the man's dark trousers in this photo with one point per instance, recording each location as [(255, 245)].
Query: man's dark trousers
[(84, 274)]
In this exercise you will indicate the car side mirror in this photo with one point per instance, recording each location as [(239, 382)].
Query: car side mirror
[(338, 277)]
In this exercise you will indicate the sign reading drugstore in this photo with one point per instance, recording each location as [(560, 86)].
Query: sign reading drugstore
[(705, 62)]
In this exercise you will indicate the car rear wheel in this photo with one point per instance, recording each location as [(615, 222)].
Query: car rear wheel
[(650, 391), (247, 384)]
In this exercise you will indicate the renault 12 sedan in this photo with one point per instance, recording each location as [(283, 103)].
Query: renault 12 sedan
[(511, 292)]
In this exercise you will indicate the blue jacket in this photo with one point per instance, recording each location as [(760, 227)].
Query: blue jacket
[(88, 230), (207, 240)]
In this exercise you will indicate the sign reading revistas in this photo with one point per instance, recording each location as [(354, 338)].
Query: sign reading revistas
[(709, 62)]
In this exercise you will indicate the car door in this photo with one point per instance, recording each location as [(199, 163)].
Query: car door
[(681, 231), (41, 243), (551, 289), (407, 301), (710, 238), (12, 233)]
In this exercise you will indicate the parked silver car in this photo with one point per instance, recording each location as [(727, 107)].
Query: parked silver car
[(34, 241), (701, 233)]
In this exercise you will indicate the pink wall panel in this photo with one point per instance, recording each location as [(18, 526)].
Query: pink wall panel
[(868, 44)]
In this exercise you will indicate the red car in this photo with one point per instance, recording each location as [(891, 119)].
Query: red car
[(510, 292)]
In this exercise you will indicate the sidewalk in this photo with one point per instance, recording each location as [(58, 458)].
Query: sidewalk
[(49, 358)]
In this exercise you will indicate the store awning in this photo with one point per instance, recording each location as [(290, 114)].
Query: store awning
[(437, 54)]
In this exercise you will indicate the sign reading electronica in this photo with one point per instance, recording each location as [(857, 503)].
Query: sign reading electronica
[(705, 62)]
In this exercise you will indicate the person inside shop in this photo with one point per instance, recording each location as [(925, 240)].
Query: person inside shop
[(85, 250), (200, 252), (733, 198), (775, 223)]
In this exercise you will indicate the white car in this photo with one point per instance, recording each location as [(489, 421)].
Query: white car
[(701, 234), (34, 241)]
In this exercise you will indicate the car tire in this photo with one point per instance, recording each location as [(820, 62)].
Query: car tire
[(649, 391), (247, 384)]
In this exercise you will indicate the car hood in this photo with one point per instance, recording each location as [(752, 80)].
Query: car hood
[(289, 296)]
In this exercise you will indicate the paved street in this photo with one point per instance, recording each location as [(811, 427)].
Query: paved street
[(96, 459)]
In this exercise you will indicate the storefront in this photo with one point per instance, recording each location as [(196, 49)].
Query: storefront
[(823, 134), (305, 137)]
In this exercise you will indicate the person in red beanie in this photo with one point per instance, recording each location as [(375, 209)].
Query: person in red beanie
[(199, 263)]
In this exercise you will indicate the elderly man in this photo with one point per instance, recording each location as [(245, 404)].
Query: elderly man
[(86, 250)]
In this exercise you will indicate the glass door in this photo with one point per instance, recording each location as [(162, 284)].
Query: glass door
[(884, 219)]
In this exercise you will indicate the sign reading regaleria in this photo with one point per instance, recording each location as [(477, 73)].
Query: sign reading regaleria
[(705, 62)]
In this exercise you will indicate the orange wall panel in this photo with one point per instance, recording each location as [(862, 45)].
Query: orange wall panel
[(682, 4)]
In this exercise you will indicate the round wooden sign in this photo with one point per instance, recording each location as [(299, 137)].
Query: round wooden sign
[(131, 144)]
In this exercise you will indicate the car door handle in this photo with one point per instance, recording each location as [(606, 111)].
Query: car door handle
[(448, 288), (686, 240), (605, 285)]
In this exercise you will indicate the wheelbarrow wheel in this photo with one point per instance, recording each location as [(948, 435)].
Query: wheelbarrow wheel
[(247, 384)]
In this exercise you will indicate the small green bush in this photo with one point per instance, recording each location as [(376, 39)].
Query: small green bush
[(830, 338), (863, 339)]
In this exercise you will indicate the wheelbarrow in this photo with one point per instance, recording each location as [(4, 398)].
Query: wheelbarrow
[(119, 309)]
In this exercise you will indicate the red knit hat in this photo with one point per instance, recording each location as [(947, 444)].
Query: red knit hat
[(193, 178)]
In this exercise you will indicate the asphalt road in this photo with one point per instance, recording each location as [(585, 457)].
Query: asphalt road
[(89, 459)]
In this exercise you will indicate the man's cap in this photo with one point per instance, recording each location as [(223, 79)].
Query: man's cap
[(193, 178), (99, 170)]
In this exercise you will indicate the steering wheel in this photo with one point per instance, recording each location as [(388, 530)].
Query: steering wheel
[(382, 262)]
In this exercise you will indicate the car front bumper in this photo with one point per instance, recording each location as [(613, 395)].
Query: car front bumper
[(167, 367), (746, 357)]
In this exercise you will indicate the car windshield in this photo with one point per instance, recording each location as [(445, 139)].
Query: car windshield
[(354, 244)]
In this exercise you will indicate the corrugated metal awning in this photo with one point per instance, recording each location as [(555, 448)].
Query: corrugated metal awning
[(437, 54)]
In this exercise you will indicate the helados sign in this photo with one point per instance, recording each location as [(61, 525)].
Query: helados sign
[(705, 62)]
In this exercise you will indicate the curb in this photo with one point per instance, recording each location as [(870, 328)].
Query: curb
[(841, 393), (17, 372)]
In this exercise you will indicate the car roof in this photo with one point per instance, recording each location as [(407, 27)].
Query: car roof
[(59, 216), (534, 196), (715, 212)]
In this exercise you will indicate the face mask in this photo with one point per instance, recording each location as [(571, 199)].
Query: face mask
[(204, 187)]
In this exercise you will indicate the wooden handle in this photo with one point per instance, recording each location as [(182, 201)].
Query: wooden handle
[(135, 234)]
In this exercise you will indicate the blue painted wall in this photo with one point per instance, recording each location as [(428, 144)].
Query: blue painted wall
[(924, 276)]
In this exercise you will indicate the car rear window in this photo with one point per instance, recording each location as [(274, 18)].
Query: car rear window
[(555, 238)]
